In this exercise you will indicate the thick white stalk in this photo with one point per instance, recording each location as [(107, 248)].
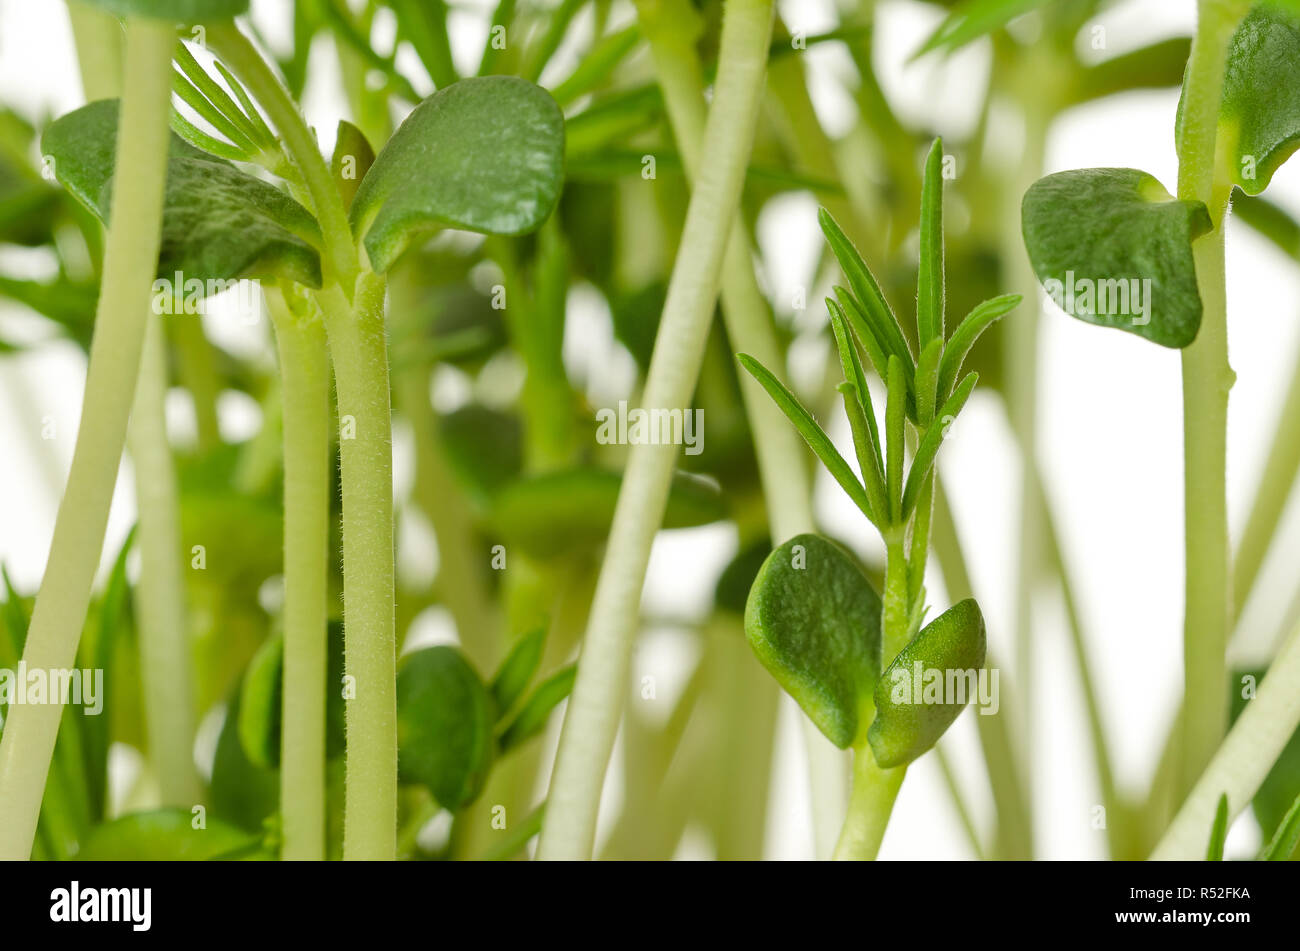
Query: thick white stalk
[(594, 710)]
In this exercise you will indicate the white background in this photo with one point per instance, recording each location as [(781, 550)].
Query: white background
[(1109, 418)]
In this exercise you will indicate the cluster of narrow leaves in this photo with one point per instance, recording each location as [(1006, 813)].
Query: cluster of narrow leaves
[(1108, 230), (813, 618)]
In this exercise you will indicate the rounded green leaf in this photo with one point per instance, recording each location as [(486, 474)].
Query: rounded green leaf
[(177, 11), (260, 705), (444, 726), (813, 620), (168, 835), (1113, 248), (571, 509), (928, 684), (219, 224), (1259, 119), (483, 154)]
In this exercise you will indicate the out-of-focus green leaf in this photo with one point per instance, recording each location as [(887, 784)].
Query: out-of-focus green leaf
[(169, 835), (483, 446), (1218, 832), (178, 11), (571, 510), (518, 670), (968, 20), (537, 709), (445, 717)]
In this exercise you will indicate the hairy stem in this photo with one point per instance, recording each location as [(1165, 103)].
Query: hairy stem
[(359, 350), (160, 594), (1207, 379), (130, 261), (591, 719), (304, 370)]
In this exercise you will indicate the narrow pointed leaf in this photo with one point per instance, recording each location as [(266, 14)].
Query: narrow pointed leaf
[(813, 620), (1271, 220), (218, 222), (1113, 248), (928, 448), (929, 287), (971, 19), (909, 721), (878, 511), (1287, 837), (967, 333), (867, 291), (862, 416), (1218, 832), (518, 670), (483, 154), (812, 434), (537, 708), (927, 381), (895, 420), (871, 340)]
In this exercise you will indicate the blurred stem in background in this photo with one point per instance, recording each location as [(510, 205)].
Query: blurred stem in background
[(783, 473), (165, 656), (130, 260), (593, 713), (304, 369)]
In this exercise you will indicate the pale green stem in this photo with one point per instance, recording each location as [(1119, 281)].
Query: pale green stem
[(1270, 497), (98, 39), (874, 789), (130, 261), (594, 710), (1207, 379), (959, 803), (198, 372), (359, 350), (870, 806), (1245, 758), (304, 369), (782, 468), (165, 659)]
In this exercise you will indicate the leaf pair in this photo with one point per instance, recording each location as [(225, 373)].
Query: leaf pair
[(483, 155), (814, 622)]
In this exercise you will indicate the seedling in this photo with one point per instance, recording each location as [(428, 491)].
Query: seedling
[(813, 619)]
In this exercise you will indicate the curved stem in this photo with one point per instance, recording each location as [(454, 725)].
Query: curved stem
[(870, 806), (1207, 378), (130, 261), (304, 368), (782, 468), (160, 593), (340, 258), (359, 349), (591, 719), (1245, 758)]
